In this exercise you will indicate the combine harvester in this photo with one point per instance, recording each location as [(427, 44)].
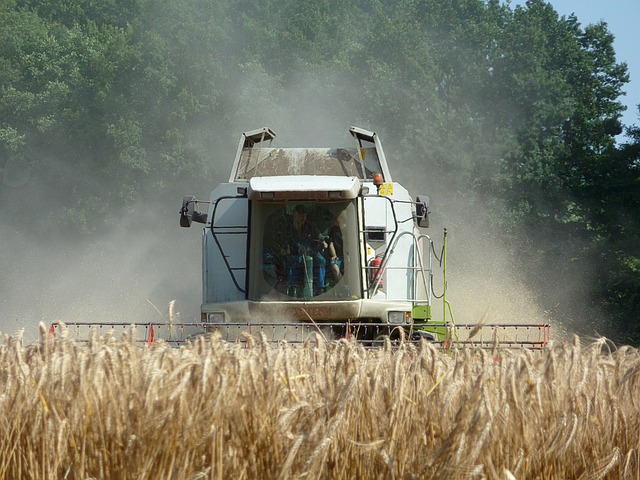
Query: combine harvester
[(304, 241)]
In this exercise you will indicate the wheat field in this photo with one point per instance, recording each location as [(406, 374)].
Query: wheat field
[(112, 409)]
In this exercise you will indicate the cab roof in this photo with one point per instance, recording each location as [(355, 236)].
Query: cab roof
[(257, 158)]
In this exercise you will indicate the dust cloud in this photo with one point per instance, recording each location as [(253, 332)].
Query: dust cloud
[(129, 275), (145, 261), (484, 282)]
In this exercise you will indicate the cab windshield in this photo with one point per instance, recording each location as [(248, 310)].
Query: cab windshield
[(302, 250)]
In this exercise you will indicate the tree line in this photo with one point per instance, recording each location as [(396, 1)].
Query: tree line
[(104, 105)]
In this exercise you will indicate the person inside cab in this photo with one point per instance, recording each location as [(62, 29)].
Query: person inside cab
[(297, 250)]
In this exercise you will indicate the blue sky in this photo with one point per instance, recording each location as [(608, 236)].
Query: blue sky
[(622, 18)]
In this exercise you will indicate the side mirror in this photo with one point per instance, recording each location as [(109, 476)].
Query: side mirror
[(186, 212), (422, 211)]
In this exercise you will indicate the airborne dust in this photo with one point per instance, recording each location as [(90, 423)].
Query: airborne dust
[(145, 260)]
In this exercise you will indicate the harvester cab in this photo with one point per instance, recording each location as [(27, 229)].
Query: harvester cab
[(319, 238)]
